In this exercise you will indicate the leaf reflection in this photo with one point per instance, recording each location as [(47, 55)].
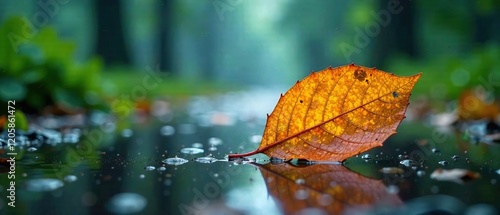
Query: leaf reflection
[(330, 187)]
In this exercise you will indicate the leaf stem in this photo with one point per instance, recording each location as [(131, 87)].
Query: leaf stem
[(234, 156)]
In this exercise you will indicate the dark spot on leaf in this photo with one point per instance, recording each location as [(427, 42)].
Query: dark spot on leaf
[(376, 139), (360, 74), (367, 81), (301, 101), (395, 94)]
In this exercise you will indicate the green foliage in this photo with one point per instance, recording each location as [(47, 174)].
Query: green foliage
[(37, 69)]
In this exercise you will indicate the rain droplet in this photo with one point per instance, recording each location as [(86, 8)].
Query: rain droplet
[(43, 184), (150, 168), (127, 132), (300, 181), (197, 145), (126, 203), (192, 151), (167, 130), (407, 162), (366, 157), (207, 159), (301, 194), (31, 149), (175, 161), (420, 173), (392, 189), (70, 178), (443, 163), (255, 138), (214, 141)]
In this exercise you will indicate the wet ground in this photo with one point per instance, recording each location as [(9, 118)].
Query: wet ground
[(171, 160)]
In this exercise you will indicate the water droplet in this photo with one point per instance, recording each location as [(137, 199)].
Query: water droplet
[(141, 176), (300, 181), (255, 138), (127, 132), (43, 184), (162, 168), (301, 194), (392, 189), (192, 151), (197, 145), (443, 163), (420, 173), (31, 149), (167, 130), (498, 171), (207, 159), (434, 150), (70, 178), (175, 161), (455, 157), (407, 162), (214, 141), (212, 148), (150, 168), (126, 203), (366, 157)]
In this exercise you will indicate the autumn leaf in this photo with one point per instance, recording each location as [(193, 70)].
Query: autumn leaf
[(473, 105), (332, 188), (336, 113)]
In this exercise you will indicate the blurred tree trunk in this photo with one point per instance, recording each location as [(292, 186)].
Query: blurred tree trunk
[(398, 37), (110, 35), (165, 45)]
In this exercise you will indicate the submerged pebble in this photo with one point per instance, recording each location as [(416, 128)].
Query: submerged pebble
[(126, 203), (175, 161)]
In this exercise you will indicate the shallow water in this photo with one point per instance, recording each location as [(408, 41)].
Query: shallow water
[(126, 173)]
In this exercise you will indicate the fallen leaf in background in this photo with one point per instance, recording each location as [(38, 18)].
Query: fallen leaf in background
[(473, 105), (336, 113), (333, 188), (455, 175)]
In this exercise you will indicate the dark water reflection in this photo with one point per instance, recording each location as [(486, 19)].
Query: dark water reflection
[(117, 176)]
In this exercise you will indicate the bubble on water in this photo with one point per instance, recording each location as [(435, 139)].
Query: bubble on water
[(214, 141), (167, 130), (126, 203), (212, 148), (392, 189), (443, 163), (192, 151), (175, 161), (300, 181), (207, 159), (187, 129), (407, 162), (43, 184), (162, 168), (197, 145), (31, 149), (149, 168), (255, 138), (127, 132), (366, 157), (70, 178), (301, 194), (420, 173), (167, 182)]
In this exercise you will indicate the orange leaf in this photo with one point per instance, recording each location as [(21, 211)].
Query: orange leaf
[(335, 114), (333, 188), (473, 105)]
